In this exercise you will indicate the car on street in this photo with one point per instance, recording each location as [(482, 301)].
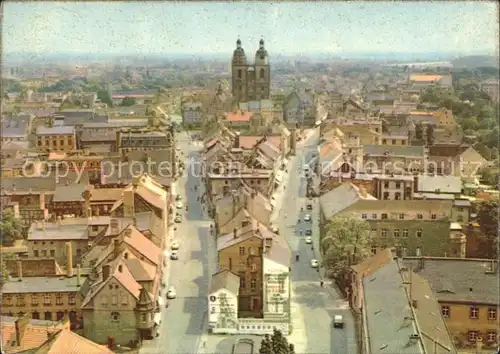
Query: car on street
[(178, 198), (314, 263), (338, 321), (309, 232), (309, 240), (307, 217), (178, 219), (309, 207), (174, 256), (179, 205), (175, 245), (171, 294)]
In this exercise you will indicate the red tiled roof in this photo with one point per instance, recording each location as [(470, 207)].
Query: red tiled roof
[(69, 342), (142, 245), (239, 116)]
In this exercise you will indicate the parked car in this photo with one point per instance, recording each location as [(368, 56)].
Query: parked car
[(171, 294), (314, 263), (307, 217), (309, 240), (179, 205), (178, 197), (174, 256), (309, 232), (175, 245), (178, 219), (338, 321), (309, 206)]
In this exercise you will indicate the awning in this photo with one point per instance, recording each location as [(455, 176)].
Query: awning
[(157, 318)]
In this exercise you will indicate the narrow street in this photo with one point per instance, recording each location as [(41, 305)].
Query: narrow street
[(313, 306), (183, 322)]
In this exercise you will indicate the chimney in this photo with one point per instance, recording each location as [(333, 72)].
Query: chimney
[(106, 270), (128, 203), (20, 270), (135, 181), (78, 275), (415, 184), (235, 233), (113, 224), (116, 247), (237, 140), (69, 259)]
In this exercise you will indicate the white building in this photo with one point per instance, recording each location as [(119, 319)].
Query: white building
[(223, 303), (192, 113)]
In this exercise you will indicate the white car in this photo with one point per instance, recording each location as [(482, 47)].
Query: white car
[(178, 205), (174, 245), (338, 321), (174, 256), (309, 240), (171, 294), (314, 263), (307, 217)]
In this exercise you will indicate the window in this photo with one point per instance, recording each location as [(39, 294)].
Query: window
[(34, 300), (401, 216), (386, 184), (472, 336), (52, 253), (59, 315), (364, 216), (420, 216), (474, 313), (20, 300), (491, 337), (115, 316), (396, 232), (253, 267), (397, 196), (242, 283), (445, 311), (460, 218), (35, 315), (59, 299), (262, 73), (71, 299), (242, 251), (240, 74), (374, 216), (114, 299), (398, 185), (492, 313), (393, 142), (242, 266), (35, 253), (386, 196), (405, 233), (384, 216), (419, 233), (433, 216), (47, 316), (374, 249), (253, 284)]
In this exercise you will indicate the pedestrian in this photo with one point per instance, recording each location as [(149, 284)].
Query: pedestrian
[(321, 283)]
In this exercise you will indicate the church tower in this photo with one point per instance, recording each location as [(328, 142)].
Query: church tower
[(239, 73), (262, 73)]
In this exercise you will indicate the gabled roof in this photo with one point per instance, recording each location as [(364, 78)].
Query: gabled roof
[(227, 280), (340, 198), (149, 190), (254, 229), (447, 150), (279, 251), (66, 341)]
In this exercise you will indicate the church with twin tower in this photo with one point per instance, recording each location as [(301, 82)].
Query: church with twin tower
[(250, 82)]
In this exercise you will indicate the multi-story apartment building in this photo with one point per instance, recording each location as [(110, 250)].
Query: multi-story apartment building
[(49, 298), (491, 87), (192, 113), (128, 140), (466, 292), (62, 138)]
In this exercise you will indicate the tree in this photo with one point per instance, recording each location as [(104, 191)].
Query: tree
[(10, 229), (430, 134), (3, 268), (419, 131), (346, 242), (276, 344), (128, 101), (488, 222), (105, 97)]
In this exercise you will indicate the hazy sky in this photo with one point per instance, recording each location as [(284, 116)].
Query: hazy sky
[(199, 27)]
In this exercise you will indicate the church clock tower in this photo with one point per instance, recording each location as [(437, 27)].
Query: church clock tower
[(239, 73), (262, 73)]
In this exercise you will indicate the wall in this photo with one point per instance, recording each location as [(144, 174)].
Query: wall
[(216, 319), (59, 250), (65, 143), (459, 322), (99, 323), (231, 259)]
